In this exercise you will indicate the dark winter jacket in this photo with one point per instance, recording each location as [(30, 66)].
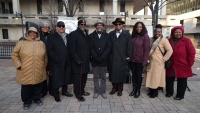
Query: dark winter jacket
[(78, 44), (100, 49), (140, 49), (121, 50), (59, 58)]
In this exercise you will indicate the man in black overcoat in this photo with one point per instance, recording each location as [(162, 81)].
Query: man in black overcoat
[(60, 64), (119, 57), (78, 44)]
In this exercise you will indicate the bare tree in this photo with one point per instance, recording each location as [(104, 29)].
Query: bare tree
[(71, 6), (155, 6), (107, 6), (52, 7)]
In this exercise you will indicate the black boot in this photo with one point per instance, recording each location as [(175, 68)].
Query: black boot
[(137, 91), (132, 92), (154, 93)]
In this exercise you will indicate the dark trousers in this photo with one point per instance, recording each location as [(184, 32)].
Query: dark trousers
[(56, 91), (44, 87), (31, 92), (181, 86), (99, 72), (77, 81), (137, 70)]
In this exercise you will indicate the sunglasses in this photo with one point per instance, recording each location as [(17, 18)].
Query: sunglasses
[(118, 24), (83, 24), (63, 26)]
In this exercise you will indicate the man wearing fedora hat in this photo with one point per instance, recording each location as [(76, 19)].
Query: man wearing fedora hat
[(100, 47), (121, 52), (80, 55)]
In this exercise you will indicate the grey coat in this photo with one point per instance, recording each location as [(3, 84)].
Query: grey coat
[(121, 50)]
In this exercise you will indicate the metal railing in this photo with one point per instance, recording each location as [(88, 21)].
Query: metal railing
[(6, 49)]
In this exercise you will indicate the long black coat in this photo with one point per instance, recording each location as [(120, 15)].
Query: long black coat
[(59, 58), (121, 50), (78, 44), (100, 49)]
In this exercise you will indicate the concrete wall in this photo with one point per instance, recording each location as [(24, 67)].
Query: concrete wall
[(14, 33)]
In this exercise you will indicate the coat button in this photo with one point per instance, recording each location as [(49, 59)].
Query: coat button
[(99, 48)]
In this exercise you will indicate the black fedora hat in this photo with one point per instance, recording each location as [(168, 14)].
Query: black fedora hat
[(118, 20)]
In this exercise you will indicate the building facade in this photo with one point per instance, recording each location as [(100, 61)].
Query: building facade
[(188, 12), (14, 14)]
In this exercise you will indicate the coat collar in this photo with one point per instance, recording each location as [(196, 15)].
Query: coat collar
[(59, 37), (29, 39), (81, 32), (123, 33), (179, 43), (95, 34)]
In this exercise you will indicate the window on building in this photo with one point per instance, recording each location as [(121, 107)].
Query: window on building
[(5, 33), (39, 6), (10, 7), (60, 6), (102, 4), (122, 5), (81, 6), (3, 7)]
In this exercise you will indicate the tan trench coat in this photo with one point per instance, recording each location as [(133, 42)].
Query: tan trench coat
[(155, 76), (31, 56)]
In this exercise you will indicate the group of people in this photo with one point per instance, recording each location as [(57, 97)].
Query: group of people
[(47, 61)]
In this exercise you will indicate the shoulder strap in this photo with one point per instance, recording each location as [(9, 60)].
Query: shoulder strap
[(160, 50)]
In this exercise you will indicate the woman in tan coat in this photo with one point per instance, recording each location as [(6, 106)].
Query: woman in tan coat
[(155, 76), (30, 59)]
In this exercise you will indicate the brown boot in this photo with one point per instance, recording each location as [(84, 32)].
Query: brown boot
[(120, 89), (114, 89)]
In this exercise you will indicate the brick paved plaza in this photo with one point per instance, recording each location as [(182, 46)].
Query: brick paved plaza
[(10, 100)]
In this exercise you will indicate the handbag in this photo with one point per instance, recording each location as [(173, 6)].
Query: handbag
[(167, 63)]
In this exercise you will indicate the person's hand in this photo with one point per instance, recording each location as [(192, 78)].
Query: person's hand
[(80, 63)]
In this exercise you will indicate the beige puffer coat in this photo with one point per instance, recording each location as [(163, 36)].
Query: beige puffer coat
[(31, 56)]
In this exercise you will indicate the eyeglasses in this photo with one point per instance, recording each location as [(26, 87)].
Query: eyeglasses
[(63, 26), (83, 24), (118, 24)]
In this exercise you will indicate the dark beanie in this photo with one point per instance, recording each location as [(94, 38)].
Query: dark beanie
[(159, 26), (81, 21)]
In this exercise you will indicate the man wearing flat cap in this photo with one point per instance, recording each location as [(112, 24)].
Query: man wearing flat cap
[(121, 52), (58, 55), (100, 47), (80, 54)]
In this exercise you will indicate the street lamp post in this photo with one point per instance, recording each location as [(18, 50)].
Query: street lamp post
[(21, 16), (125, 15)]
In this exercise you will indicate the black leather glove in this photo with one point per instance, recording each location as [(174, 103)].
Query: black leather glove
[(80, 63)]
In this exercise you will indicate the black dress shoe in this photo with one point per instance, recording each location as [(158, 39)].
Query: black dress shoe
[(168, 95), (85, 94), (81, 99), (67, 94), (178, 98), (57, 99), (132, 93)]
